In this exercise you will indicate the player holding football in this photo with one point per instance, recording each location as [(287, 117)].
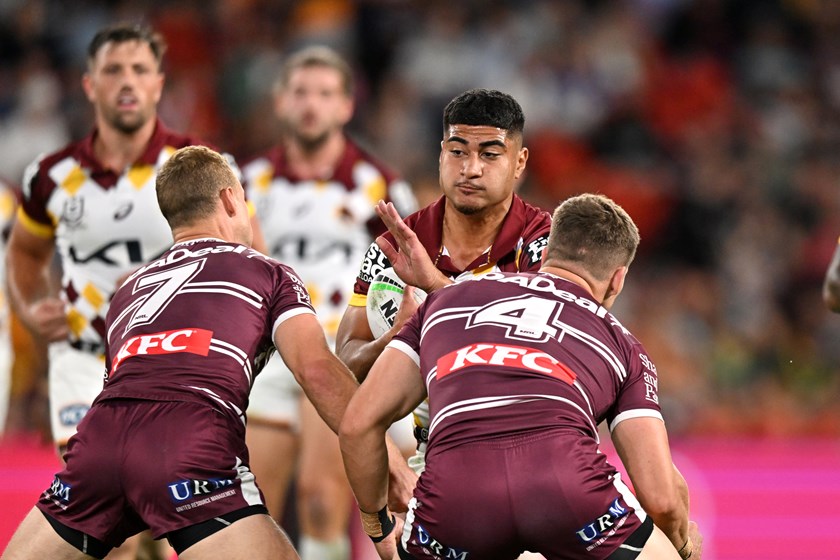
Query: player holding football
[(479, 225), (519, 370)]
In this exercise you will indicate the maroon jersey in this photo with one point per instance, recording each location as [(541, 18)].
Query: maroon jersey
[(168, 339), (524, 352), (518, 246)]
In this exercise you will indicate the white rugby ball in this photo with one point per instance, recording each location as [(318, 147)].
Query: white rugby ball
[(383, 300)]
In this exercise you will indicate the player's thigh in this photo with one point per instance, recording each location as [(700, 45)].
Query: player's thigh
[(658, 547), (320, 454), (254, 537), (35, 538), (273, 451)]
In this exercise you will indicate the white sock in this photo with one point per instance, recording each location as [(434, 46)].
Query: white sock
[(314, 549)]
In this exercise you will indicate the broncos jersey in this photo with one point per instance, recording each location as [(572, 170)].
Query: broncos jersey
[(322, 229), (105, 224)]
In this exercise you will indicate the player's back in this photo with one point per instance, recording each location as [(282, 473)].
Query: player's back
[(197, 324), (509, 353)]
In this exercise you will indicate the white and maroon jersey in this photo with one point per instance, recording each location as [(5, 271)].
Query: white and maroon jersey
[(8, 204), (517, 248), (105, 224), (197, 324), (509, 353), (323, 228)]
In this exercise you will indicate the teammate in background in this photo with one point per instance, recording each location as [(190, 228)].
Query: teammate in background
[(831, 284), (314, 195), (163, 445), (94, 202), (519, 369), (479, 225)]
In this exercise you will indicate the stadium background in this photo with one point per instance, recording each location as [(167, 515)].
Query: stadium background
[(715, 123)]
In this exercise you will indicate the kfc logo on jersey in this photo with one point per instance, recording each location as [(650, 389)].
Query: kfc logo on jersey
[(518, 357), (194, 341)]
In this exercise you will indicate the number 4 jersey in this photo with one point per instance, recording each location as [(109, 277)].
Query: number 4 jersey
[(511, 353)]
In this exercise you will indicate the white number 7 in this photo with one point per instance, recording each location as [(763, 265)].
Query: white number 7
[(168, 283)]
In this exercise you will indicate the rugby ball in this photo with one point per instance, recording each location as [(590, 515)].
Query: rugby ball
[(383, 300)]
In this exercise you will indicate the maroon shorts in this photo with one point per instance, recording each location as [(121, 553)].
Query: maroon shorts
[(137, 464), (550, 492)]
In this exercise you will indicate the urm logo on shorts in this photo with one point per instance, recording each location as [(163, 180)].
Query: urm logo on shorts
[(72, 414), (439, 550), (186, 489), (59, 490), (604, 522)]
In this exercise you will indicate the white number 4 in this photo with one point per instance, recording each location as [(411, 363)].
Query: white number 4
[(524, 317)]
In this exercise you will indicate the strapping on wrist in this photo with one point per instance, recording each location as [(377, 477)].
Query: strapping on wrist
[(378, 525), (686, 549)]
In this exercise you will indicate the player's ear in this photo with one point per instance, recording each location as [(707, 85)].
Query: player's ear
[(228, 197), (615, 285)]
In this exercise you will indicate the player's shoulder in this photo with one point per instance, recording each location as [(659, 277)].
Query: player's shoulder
[(537, 220)]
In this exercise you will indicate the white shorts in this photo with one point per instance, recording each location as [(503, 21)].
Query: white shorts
[(75, 379), (275, 396)]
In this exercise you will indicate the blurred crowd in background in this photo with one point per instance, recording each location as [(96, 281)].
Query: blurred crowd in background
[(715, 123)]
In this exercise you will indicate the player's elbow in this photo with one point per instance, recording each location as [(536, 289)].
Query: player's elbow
[(664, 506)]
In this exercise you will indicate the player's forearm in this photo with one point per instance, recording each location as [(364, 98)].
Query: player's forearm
[(359, 355), (366, 463), (831, 293), (669, 510), (28, 280), (329, 386)]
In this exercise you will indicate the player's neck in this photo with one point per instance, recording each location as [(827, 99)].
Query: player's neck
[(316, 163), (116, 150), (468, 236)]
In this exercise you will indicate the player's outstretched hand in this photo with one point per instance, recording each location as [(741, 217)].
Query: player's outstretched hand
[(409, 258)]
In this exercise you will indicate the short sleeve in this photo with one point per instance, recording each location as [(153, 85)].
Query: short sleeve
[(639, 393), (291, 297)]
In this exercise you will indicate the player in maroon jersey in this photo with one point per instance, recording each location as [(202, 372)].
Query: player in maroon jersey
[(478, 225), (519, 369), (163, 446)]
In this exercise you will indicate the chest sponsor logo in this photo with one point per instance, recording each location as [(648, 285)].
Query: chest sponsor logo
[(604, 526), (519, 357), (59, 490), (374, 262), (438, 549), (72, 414), (106, 254), (193, 341)]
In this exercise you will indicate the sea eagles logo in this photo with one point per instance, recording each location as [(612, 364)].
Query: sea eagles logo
[(73, 211)]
